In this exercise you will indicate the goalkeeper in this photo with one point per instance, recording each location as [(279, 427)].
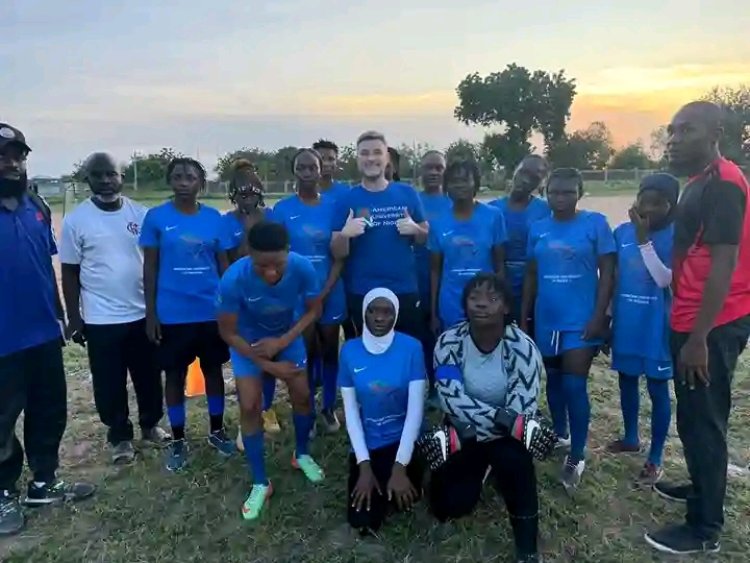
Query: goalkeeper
[(488, 376)]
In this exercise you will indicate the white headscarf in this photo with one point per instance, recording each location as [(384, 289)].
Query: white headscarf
[(378, 344)]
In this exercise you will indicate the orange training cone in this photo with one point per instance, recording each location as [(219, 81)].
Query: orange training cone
[(195, 385)]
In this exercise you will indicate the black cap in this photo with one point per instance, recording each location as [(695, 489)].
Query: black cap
[(9, 135)]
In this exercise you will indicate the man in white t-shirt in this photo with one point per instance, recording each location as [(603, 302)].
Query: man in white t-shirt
[(102, 275)]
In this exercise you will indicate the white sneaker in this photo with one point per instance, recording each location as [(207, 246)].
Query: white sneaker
[(570, 477), (563, 444)]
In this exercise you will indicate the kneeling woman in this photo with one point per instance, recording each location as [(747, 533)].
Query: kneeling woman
[(382, 379), (257, 299), (488, 377)]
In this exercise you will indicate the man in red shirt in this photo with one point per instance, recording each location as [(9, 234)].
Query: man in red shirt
[(710, 320)]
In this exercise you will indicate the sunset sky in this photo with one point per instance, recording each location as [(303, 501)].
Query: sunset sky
[(209, 77)]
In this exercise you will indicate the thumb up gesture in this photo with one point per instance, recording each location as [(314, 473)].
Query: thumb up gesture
[(406, 225), (354, 226)]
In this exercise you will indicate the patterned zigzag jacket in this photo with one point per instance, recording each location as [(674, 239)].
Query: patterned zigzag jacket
[(471, 416)]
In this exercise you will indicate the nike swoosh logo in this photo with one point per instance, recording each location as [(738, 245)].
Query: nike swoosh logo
[(170, 228), (357, 370), (238, 233), (627, 244), (254, 299), (447, 233), (440, 435), (543, 235), (532, 426), (663, 368), (337, 317), (293, 217)]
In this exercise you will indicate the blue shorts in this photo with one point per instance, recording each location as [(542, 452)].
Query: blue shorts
[(635, 366), (245, 367), (334, 308), (552, 343)]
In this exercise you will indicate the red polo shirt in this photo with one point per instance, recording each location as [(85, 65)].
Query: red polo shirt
[(713, 210)]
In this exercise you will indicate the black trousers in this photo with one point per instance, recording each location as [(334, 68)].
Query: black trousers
[(455, 488), (410, 316), (32, 381), (114, 350), (702, 416), (381, 462)]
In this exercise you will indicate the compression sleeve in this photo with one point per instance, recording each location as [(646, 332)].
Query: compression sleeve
[(659, 272), (354, 424), (413, 422)]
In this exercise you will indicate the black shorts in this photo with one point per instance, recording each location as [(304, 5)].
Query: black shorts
[(181, 344)]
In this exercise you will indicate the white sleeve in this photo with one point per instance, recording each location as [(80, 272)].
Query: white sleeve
[(659, 272), (70, 246), (413, 422), (354, 424)]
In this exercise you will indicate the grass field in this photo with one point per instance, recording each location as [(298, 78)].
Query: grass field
[(143, 514)]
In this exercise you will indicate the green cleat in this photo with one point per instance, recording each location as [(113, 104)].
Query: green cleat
[(309, 467), (258, 498)]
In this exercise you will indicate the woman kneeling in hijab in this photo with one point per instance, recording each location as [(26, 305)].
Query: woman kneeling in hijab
[(383, 382), (488, 376)]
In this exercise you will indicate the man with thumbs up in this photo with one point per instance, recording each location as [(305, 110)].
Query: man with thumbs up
[(378, 223)]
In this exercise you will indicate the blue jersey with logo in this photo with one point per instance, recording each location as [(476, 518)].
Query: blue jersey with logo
[(266, 310), (518, 222), (28, 311), (566, 255), (188, 268), (434, 205), (381, 257), (381, 383), (233, 231), (336, 190), (309, 228), (640, 308), (467, 249)]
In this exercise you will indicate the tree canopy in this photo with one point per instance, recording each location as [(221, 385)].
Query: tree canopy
[(735, 102), (519, 102), (589, 148)]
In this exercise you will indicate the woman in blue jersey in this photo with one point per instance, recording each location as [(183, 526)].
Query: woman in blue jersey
[(308, 217), (382, 378), (246, 194), (640, 316), (569, 280), (520, 209), (183, 261), (463, 241), (258, 301)]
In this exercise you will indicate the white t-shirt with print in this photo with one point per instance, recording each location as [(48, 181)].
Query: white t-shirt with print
[(105, 245)]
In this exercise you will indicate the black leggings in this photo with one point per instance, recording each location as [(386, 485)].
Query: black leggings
[(455, 488), (381, 462)]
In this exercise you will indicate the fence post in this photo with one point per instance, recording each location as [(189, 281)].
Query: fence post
[(606, 175)]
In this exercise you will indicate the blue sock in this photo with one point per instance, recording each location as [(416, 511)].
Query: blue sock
[(255, 456), (579, 411), (302, 425), (215, 405), (556, 402), (269, 391), (661, 414), (630, 405), (330, 373), (176, 416)]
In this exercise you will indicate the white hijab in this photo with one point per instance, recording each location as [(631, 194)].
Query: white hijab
[(378, 344)]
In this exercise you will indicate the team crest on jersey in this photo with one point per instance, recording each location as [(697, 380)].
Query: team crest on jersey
[(133, 228), (7, 133), (363, 212)]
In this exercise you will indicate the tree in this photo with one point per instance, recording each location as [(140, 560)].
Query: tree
[(521, 103), (152, 168), (735, 144), (658, 147), (630, 157), (589, 148), (261, 159), (348, 168)]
